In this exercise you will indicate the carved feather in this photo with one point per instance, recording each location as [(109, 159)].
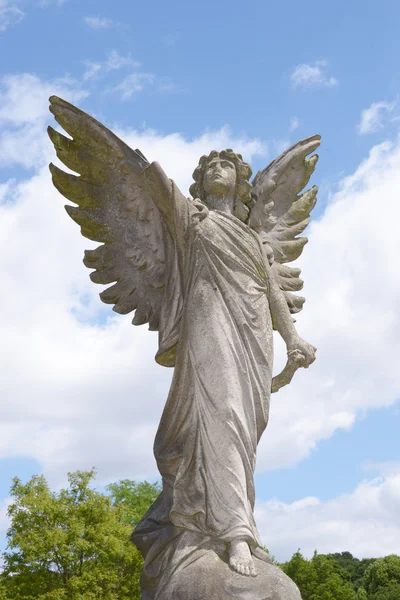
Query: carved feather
[(279, 214), (114, 208)]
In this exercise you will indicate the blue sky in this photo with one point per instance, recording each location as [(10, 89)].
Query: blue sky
[(177, 79)]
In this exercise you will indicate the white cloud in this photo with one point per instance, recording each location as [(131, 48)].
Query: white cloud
[(374, 117), (4, 518), (180, 156), (80, 387), (10, 14), (308, 75), (165, 84), (23, 115), (351, 315), (133, 84), (24, 97), (294, 124), (280, 145), (114, 62), (3, 513), (386, 468), (137, 82), (93, 69), (365, 522), (98, 22)]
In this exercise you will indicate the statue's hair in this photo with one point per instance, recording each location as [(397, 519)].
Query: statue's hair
[(243, 186)]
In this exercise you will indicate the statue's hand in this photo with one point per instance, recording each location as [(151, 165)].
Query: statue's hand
[(300, 354), (298, 345)]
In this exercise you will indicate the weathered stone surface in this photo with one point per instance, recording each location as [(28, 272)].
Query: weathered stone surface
[(211, 276), (210, 578)]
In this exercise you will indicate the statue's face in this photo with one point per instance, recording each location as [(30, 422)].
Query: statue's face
[(220, 177)]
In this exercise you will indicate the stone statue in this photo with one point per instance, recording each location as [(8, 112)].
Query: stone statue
[(210, 275)]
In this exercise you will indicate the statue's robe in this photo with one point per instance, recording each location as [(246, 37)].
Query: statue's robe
[(216, 329)]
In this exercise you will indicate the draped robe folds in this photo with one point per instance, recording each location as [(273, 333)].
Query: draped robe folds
[(216, 328)]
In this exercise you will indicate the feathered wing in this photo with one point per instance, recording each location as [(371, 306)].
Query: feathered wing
[(114, 208), (279, 213)]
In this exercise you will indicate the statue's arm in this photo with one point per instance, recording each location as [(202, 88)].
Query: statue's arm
[(283, 322), (172, 204)]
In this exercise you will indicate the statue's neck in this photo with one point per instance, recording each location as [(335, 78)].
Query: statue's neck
[(222, 203)]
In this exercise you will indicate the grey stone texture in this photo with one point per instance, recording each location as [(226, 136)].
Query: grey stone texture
[(209, 274), (209, 577)]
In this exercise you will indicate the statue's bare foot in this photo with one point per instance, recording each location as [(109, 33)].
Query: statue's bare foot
[(240, 559), (262, 555)]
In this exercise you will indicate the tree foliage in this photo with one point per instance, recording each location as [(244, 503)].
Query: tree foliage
[(361, 594), (70, 545), (133, 499), (75, 545), (353, 568), (319, 578), (341, 576), (382, 578)]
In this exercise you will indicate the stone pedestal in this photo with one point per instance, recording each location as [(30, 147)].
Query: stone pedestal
[(210, 578), (183, 565)]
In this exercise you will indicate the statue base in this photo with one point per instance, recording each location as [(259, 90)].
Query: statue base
[(183, 565), (210, 578)]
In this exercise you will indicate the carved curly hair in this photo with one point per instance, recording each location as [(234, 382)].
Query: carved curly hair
[(243, 185)]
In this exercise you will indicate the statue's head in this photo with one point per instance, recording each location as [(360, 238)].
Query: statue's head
[(224, 174)]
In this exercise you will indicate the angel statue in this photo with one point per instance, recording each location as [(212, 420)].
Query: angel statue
[(210, 274)]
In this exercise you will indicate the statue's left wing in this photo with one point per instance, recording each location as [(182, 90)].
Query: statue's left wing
[(279, 213), (114, 208)]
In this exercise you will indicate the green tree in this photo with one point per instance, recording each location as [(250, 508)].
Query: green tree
[(3, 592), (134, 499), (361, 594), (387, 592), (353, 568), (319, 578), (382, 578), (303, 574), (70, 545)]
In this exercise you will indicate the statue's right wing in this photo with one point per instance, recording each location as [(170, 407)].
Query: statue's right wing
[(280, 212), (114, 208)]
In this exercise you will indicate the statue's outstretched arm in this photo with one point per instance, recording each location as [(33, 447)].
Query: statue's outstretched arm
[(283, 322), (280, 213), (174, 207)]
